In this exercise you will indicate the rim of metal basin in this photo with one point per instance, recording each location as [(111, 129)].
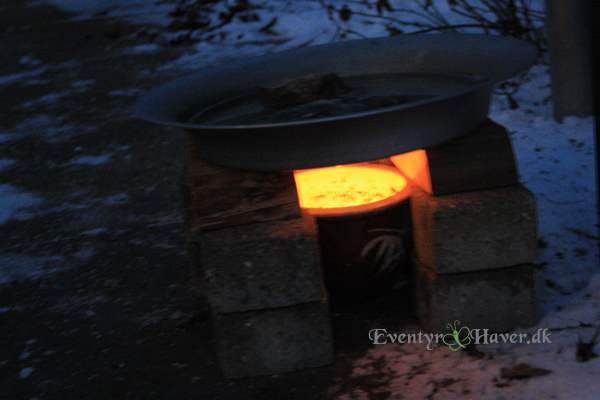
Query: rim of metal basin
[(452, 111)]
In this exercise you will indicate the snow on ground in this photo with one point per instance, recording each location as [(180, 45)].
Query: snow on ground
[(16, 267), (14, 203), (555, 161), (47, 127), (89, 160), (8, 79), (6, 162)]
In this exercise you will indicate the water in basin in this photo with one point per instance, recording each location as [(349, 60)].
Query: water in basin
[(369, 94)]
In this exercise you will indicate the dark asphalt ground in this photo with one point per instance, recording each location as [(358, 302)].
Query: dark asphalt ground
[(120, 318)]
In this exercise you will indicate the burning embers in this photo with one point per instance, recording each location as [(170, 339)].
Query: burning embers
[(343, 185), (362, 214), (347, 186)]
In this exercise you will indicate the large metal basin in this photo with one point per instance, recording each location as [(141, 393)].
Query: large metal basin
[(457, 72)]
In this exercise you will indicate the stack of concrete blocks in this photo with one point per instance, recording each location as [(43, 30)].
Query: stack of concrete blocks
[(475, 234), (255, 260)]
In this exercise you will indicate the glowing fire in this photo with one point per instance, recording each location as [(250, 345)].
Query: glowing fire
[(347, 186), (415, 166)]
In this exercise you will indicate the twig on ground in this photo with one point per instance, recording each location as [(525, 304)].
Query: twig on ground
[(585, 351)]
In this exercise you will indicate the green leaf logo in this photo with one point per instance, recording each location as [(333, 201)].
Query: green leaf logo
[(457, 339)]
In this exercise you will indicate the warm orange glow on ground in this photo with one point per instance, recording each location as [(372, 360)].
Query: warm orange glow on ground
[(347, 186)]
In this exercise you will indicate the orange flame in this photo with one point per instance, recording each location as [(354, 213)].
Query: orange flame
[(415, 166)]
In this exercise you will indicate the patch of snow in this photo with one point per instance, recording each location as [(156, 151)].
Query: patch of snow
[(584, 310), (13, 78), (306, 23), (33, 82), (46, 100), (309, 27), (120, 198), (79, 84), (93, 232), (411, 371), (6, 162), (26, 372), (142, 49), (40, 120), (127, 93), (89, 160), (50, 128), (13, 201), (154, 14), (5, 137), (556, 162), (15, 266), (29, 60), (167, 220), (85, 254)]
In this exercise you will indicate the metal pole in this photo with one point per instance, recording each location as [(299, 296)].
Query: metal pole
[(568, 26), (593, 8)]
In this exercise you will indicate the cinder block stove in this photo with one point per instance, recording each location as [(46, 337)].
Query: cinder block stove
[(256, 256), (456, 222)]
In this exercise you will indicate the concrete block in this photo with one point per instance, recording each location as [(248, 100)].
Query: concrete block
[(477, 230), (480, 159), (500, 299), (220, 197), (273, 341), (265, 265)]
